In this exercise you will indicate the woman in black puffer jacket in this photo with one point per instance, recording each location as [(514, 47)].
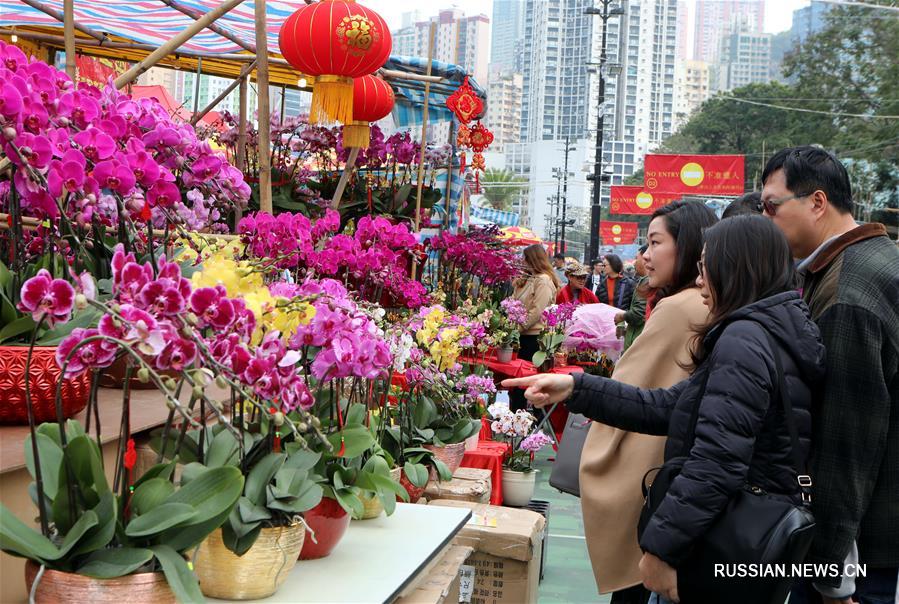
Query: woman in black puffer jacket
[(741, 438)]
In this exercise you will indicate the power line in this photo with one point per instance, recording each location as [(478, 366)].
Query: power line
[(861, 4), (816, 111)]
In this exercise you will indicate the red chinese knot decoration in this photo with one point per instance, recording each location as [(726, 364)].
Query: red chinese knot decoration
[(465, 104), (334, 41), (373, 99)]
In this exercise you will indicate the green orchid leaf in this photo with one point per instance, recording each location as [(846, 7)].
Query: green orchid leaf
[(180, 578), (19, 539), (357, 440), (539, 358), (102, 534), (160, 518), (115, 562), (416, 473), (443, 470), (261, 475), (222, 451), (51, 460), (210, 494), (20, 326), (248, 512), (150, 494)]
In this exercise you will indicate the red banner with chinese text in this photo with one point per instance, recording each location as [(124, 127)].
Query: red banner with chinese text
[(694, 174), (617, 233), (96, 71), (634, 200)]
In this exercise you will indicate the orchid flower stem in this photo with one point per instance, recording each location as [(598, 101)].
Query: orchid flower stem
[(124, 432), (41, 502)]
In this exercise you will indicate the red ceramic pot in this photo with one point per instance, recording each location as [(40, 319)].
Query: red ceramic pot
[(415, 492), (45, 374), (329, 522)]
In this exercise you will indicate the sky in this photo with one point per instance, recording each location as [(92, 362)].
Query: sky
[(778, 13)]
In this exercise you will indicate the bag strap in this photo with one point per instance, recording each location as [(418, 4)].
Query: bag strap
[(780, 392), (802, 475)]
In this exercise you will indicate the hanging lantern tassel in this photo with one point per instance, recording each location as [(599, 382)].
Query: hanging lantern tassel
[(356, 134), (332, 100), (477, 182)]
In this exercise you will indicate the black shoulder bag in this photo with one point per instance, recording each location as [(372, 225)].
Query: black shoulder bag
[(758, 536)]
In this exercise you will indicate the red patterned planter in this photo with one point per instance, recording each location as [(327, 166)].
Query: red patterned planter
[(45, 374), (329, 522), (415, 492)]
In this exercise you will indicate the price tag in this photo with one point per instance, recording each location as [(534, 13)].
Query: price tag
[(483, 520), (466, 583)]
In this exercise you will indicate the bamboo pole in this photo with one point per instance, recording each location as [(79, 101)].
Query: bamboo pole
[(242, 132), (424, 138), (197, 85), (62, 19), (263, 131), (243, 74), (69, 29), (196, 15), (170, 46), (345, 177), (449, 174), (424, 132), (392, 74)]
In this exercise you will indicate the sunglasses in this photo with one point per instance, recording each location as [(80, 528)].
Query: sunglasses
[(770, 205)]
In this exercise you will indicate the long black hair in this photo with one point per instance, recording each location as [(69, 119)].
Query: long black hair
[(685, 221), (747, 259)]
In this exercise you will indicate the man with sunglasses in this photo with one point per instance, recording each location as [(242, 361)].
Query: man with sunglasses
[(851, 283)]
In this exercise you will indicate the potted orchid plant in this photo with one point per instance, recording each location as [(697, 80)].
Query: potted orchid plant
[(550, 341), (519, 476), (514, 315)]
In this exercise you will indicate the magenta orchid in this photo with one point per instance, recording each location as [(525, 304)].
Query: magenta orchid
[(47, 299)]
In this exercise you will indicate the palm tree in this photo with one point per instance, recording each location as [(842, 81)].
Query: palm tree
[(501, 188)]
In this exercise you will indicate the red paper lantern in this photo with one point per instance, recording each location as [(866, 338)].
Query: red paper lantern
[(373, 99), (334, 41)]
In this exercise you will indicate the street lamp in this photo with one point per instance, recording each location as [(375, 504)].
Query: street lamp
[(607, 10)]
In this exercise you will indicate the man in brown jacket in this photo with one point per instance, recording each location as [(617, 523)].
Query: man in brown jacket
[(851, 284)]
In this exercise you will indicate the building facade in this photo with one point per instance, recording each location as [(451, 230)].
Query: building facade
[(507, 33), (717, 18), (458, 39), (745, 58), (692, 87), (809, 20), (504, 93), (556, 86)]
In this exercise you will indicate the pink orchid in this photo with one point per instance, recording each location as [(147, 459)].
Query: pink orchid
[(114, 176), (44, 296), (178, 354), (135, 327), (212, 307), (93, 355), (163, 194), (95, 144), (161, 297)]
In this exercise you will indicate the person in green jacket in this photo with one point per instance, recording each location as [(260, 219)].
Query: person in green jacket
[(635, 315)]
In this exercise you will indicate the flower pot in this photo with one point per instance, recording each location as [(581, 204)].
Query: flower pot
[(328, 523), (415, 492), (518, 487), (371, 504), (57, 586), (45, 375), (471, 443), (546, 365), (451, 455), (560, 359), (504, 355), (256, 574)]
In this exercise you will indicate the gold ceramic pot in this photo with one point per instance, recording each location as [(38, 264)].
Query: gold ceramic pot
[(57, 586), (371, 504), (258, 573)]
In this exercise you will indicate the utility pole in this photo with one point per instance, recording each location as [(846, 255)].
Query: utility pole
[(568, 149), (554, 211), (605, 13)]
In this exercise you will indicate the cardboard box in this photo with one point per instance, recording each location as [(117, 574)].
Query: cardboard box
[(468, 484), (441, 585), (507, 543)]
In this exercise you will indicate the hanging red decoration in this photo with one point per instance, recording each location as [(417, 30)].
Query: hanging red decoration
[(477, 162), (463, 136), (334, 41), (465, 104), (480, 138), (373, 99)]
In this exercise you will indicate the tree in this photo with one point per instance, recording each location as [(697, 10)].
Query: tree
[(727, 124), (502, 187)]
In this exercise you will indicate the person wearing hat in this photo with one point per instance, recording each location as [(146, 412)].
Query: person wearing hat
[(575, 292)]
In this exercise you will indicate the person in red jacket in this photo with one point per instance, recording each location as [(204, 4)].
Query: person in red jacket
[(575, 292)]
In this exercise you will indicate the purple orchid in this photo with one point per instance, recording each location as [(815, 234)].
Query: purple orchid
[(47, 298)]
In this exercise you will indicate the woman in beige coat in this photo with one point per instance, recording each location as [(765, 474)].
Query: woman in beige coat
[(613, 461), (536, 290)]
